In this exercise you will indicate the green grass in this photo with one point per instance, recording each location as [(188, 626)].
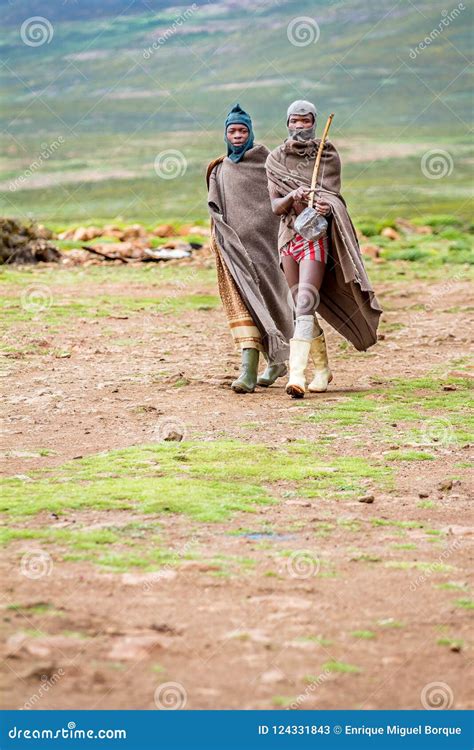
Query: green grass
[(452, 586), (399, 455), (426, 567), (318, 639), (102, 306), (283, 701), (396, 523), (391, 623), (365, 635), (454, 644), (465, 603), (415, 411), (206, 482), (340, 667)]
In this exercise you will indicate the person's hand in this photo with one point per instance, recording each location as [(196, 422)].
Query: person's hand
[(323, 208), (301, 194)]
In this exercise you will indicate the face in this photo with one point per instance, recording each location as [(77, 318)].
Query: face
[(237, 134), (300, 122)]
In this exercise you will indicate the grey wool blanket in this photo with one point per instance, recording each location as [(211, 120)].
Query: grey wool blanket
[(347, 300), (246, 232)]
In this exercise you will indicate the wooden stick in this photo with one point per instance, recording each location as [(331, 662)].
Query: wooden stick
[(318, 159)]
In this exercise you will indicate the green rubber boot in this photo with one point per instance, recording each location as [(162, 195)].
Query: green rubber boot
[(247, 379), (271, 373)]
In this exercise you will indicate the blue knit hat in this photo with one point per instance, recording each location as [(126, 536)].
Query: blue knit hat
[(237, 116)]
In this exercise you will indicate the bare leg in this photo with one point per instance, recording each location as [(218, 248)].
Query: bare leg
[(305, 280), (291, 270), (311, 274)]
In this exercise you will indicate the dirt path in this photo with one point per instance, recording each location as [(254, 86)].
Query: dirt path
[(318, 601)]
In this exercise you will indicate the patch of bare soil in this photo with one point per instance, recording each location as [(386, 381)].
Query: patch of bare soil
[(355, 633)]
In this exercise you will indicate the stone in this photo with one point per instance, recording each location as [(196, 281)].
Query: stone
[(134, 647), (390, 233), (272, 676)]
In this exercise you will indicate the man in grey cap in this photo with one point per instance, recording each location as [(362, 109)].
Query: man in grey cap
[(301, 120), (340, 291), (304, 262)]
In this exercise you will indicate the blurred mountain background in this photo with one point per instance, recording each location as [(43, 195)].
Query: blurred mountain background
[(116, 85)]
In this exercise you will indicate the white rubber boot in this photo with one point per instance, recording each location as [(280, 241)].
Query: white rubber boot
[(299, 353), (323, 375)]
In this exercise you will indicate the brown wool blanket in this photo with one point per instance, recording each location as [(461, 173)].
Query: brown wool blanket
[(246, 233), (347, 300)]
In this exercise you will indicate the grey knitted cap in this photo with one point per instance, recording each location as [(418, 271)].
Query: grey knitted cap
[(301, 107)]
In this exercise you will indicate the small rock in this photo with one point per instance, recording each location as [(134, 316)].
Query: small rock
[(423, 493), (456, 647), (14, 643), (372, 251), (164, 230), (446, 485), (163, 627), (449, 387), (272, 676), (390, 233), (40, 671), (366, 499), (134, 647), (174, 435), (148, 579)]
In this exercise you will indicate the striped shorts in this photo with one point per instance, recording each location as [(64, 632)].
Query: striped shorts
[(300, 249)]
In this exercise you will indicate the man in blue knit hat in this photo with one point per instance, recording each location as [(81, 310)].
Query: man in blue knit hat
[(244, 238)]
